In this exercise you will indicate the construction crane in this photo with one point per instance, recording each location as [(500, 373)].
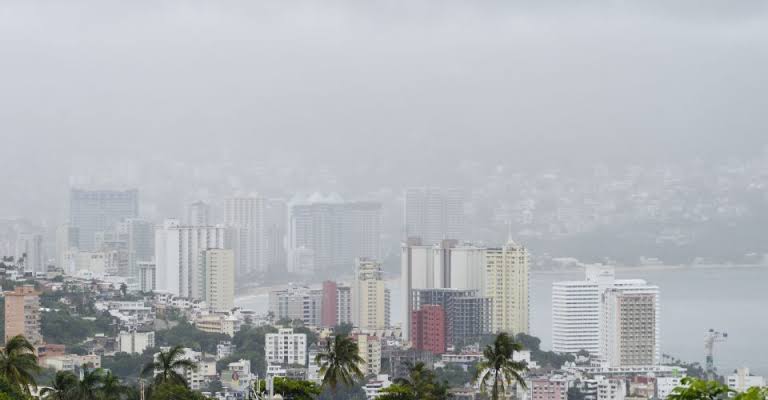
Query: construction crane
[(712, 337)]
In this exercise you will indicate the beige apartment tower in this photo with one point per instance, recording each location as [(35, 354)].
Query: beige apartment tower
[(219, 270), (22, 314), (506, 284), (370, 297)]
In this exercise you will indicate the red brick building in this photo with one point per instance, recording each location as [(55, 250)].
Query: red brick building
[(329, 304), (428, 329)]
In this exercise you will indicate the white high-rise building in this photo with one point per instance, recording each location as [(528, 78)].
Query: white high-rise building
[(343, 305), (275, 223), (66, 245), (219, 270), (93, 211), (199, 214), (285, 348), (178, 251), (506, 284), (140, 243), (29, 247), (246, 215), (434, 214), (370, 297), (579, 319), (147, 276), (336, 232)]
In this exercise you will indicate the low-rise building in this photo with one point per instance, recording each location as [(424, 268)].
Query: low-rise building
[(285, 348), (742, 380), (217, 323), (132, 342)]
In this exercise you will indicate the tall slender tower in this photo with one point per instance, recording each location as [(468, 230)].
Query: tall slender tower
[(246, 216), (219, 270), (370, 297), (506, 283)]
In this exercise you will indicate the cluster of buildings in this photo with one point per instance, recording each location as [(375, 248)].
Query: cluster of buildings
[(452, 293)]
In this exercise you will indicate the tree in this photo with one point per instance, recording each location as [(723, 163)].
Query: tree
[(112, 388), (89, 387), (421, 383), (697, 389), (18, 363), (339, 362), (172, 391), (123, 289), (499, 365), (292, 389), (61, 388), (169, 363)]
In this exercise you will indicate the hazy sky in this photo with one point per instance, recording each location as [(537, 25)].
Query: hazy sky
[(416, 82)]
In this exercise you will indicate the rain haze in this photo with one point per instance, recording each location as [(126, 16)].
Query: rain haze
[(590, 138)]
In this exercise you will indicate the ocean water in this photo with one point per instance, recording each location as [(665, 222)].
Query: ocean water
[(733, 299)]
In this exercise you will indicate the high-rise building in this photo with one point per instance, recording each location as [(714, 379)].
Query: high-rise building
[(434, 214), (140, 243), (219, 271), (428, 325), (178, 251), (443, 265), (246, 215), (199, 214), (297, 302), (629, 334), (275, 222), (336, 232), (22, 314), (369, 349), (285, 348), (29, 247), (330, 304), (92, 211), (147, 276), (467, 315), (67, 238), (343, 304), (580, 306), (506, 284), (370, 297)]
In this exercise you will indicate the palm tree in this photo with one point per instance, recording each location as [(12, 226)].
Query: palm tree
[(339, 363), (63, 386), (18, 363), (169, 363), (500, 366), (421, 381), (90, 386), (112, 388)]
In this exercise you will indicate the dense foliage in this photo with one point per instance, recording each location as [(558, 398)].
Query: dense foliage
[(697, 389), (421, 384), (545, 359), (339, 362), (292, 389), (61, 327), (185, 334)]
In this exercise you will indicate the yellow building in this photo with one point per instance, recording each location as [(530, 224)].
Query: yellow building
[(506, 283), (219, 270), (370, 297)]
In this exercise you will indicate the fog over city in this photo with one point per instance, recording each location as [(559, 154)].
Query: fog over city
[(620, 142)]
